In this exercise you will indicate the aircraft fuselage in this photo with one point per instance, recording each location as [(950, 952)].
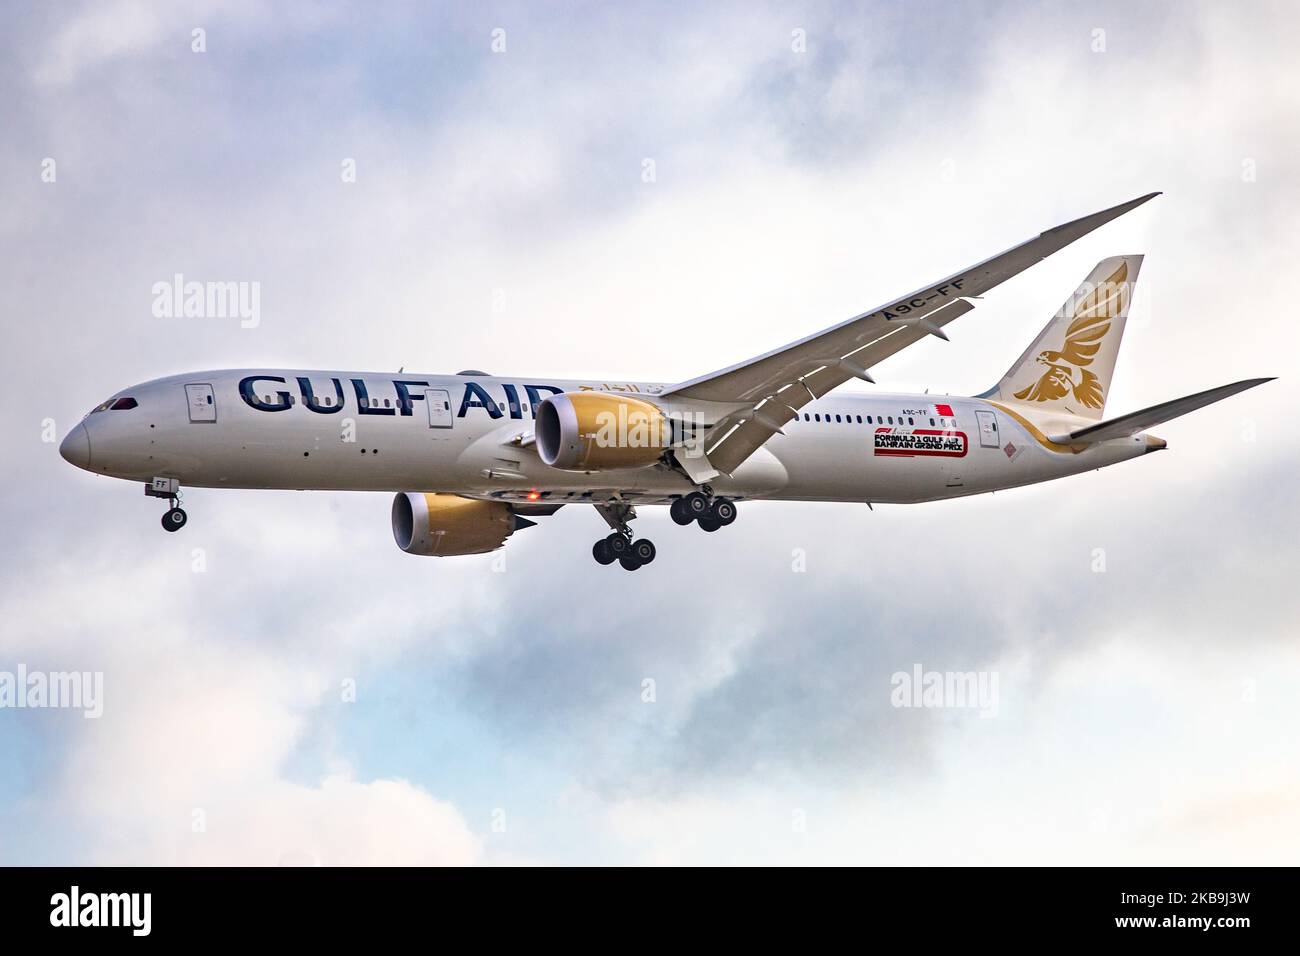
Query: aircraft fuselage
[(470, 435)]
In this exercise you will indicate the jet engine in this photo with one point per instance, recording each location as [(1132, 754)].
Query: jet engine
[(597, 431), (442, 525)]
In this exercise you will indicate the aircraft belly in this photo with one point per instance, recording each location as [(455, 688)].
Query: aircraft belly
[(843, 468), (309, 454)]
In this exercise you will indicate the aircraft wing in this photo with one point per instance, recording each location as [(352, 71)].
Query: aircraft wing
[(774, 386)]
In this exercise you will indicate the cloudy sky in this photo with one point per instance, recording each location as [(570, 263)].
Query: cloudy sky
[(808, 161)]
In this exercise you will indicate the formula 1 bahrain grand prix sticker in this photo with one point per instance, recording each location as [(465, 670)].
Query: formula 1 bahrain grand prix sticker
[(919, 441)]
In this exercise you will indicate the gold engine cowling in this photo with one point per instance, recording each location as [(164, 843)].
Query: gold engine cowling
[(442, 525), (596, 431)]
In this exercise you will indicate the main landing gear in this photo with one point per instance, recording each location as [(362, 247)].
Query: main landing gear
[(709, 512), (699, 506), (619, 544), (170, 489)]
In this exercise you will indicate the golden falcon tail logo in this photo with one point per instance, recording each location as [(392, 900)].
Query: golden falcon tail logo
[(1089, 323)]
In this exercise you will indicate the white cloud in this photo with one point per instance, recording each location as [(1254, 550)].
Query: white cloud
[(200, 721), (341, 822), (99, 34)]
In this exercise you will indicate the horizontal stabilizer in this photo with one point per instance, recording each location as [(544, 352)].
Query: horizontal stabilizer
[(1135, 422)]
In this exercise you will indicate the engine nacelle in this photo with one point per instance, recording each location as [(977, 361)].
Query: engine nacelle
[(597, 431), (442, 525)]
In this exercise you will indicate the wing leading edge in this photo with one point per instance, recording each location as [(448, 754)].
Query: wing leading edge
[(777, 384)]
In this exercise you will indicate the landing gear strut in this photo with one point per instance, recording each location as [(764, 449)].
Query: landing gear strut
[(709, 512), (169, 488), (619, 545)]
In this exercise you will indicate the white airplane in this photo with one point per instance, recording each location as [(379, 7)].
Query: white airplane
[(487, 454)]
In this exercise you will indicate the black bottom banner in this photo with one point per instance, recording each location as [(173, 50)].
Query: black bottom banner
[(1228, 906)]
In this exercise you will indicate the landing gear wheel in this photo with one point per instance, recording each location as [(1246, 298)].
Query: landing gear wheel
[(617, 543), (174, 519), (643, 550), (677, 511), (696, 505), (629, 563), (600, 551), (723, 512), (710, 524)]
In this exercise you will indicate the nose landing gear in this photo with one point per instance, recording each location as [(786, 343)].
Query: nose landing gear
[(169, 488), (174, 519)]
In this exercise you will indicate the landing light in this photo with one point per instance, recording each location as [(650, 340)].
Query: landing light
[(533, 494)]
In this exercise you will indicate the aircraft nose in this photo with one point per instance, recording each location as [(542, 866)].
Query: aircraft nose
[(76, 447)]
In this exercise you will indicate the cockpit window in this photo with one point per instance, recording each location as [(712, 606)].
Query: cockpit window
[(116, 404)]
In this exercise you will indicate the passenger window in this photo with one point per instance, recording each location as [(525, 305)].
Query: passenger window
[(837, 418), (909, 420)]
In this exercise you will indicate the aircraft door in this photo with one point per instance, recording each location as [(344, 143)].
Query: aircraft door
[(202, 405), (988, 423), (438, 402)]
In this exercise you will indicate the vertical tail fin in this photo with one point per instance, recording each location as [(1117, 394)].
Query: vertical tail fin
[(1069, 366)]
